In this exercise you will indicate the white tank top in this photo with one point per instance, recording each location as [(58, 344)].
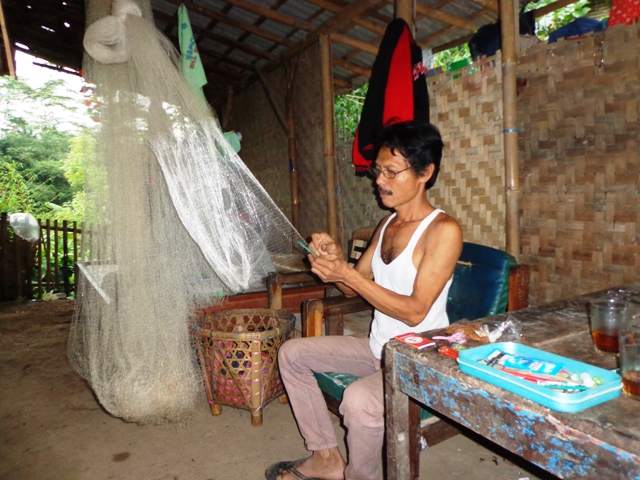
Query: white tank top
[(398, 276)]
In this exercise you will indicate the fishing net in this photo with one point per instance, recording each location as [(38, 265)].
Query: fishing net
[(174, 221)]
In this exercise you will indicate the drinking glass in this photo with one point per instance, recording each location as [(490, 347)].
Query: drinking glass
[(630, 357), (606, 316)]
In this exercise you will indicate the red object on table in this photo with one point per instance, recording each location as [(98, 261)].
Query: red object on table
[(448, 351)]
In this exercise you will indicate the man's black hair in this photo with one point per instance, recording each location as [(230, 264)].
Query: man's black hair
[(419, 142)]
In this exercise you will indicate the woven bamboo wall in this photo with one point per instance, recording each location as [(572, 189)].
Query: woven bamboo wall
[(580, 164), (470, 187), (264, 143), (265, 148), (307, 98), (579, 161), (359, 205)]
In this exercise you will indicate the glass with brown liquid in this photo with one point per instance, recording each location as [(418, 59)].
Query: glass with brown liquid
[(605, 319), (630, 357)]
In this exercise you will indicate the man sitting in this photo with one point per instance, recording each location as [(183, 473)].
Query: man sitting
[(405, 273)]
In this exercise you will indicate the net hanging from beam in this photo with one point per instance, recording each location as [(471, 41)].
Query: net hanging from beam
[(174, 221)]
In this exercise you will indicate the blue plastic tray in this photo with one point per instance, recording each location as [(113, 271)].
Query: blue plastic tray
[(555, 400)]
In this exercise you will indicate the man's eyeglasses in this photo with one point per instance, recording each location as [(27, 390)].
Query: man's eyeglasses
[(375, 172)]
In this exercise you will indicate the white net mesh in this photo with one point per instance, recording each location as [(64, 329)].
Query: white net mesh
[(174, 221)]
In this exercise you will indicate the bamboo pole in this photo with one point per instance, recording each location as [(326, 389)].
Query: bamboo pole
[(40, 251), (4, 245), (47, 249), (329, 142), (65, 257), (17, 243), (406, 9), (226, 117), (75, 257), (291, 142), (56, 254), (7, 44), (508, 25), (272, 102)]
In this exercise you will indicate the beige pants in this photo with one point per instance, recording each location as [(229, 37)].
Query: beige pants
[(362, 405)]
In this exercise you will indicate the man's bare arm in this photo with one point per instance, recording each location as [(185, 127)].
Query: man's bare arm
[(441, 244)]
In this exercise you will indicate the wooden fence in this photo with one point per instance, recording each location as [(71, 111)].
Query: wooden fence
[(29, 270)]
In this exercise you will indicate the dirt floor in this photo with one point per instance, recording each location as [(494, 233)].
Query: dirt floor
[(52, 427)]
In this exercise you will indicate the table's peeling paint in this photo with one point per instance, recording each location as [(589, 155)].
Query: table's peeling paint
[(600, 442)]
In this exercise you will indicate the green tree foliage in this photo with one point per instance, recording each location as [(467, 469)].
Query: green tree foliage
[(35, 152), (554, 20), (15, 195), (445, 58), (22, 106), (347, 108), (82, 147), (38, 158)]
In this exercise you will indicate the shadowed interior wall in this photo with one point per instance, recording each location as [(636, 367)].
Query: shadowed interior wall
[(579, 160), (264, 144), (470, 185)]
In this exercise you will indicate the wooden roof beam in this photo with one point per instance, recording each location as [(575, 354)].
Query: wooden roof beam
[(247, 27), (256, 52), (428, 41), (538, 12), (271, 15), (365, 72), (488, 4), (362, 22), (218, 56), (339, 82), (345, 15), (352, 42), (372, 12), (444, 17)]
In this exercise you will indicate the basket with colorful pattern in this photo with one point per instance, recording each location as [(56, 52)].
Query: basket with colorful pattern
[(238, 351)]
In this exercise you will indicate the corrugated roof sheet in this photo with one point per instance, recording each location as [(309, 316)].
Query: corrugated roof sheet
[(235, 36)]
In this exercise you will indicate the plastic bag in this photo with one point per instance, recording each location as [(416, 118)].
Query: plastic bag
[(25, 226), (507, 331)]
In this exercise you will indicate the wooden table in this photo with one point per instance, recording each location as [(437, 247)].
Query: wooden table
[(600, 442)]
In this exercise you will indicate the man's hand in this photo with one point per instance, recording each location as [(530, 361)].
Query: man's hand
[(328, 262), (323, 244)]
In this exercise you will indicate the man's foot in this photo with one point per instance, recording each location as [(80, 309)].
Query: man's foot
[(322, 465)]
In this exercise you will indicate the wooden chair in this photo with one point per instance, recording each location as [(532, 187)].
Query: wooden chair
[(486, 282)]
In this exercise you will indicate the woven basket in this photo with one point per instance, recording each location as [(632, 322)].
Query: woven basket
[(238, 352)]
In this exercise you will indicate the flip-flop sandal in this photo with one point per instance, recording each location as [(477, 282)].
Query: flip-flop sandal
[(281, 468)]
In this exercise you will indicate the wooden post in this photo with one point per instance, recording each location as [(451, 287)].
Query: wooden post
[(7, 44), (65, 258), (75, 256), (406, 9), (4, 245), (40, 253), (226, 117), (272, 101), (508, 25), (291, 139), (329, 142), (56, 256), (17, 243)]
